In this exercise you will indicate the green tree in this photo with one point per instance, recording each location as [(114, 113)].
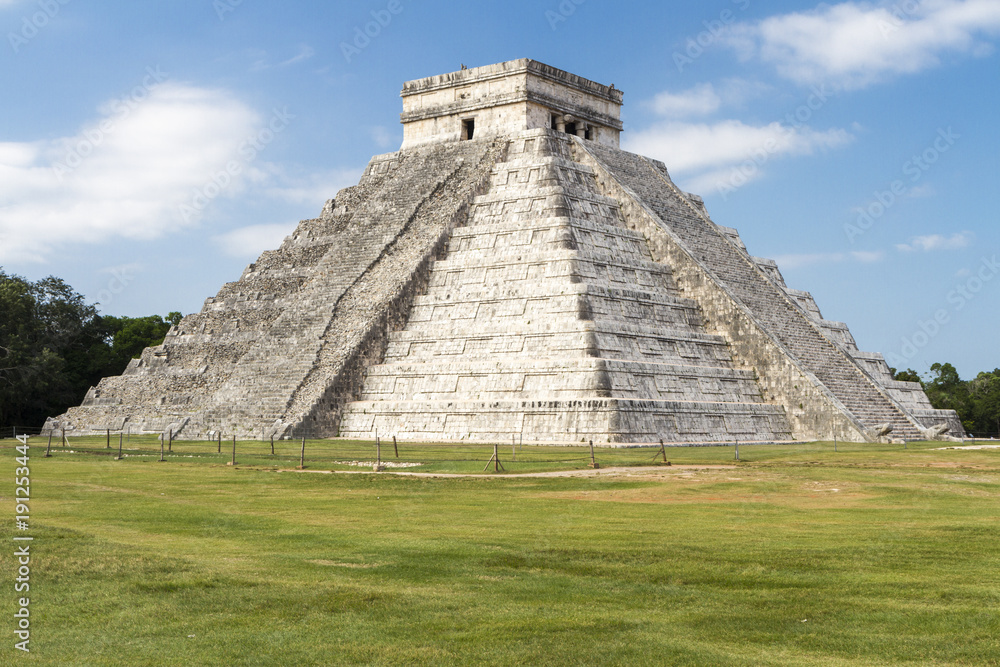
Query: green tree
[(946, 391), (54, 346), (977, 402), (909, 375), (136, 334), (46, 333), (984, 394)]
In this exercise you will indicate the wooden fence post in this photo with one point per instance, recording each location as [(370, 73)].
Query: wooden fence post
[(495, 460), (378, 467)]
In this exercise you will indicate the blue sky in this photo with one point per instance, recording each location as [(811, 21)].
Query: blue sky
[(149, 151)]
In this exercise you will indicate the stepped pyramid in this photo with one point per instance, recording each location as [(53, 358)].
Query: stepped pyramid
[(511, 272)]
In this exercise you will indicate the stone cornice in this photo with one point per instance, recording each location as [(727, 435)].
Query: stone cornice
[(506, 70)]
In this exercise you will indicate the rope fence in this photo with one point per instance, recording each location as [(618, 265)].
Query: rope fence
[(381, 454)]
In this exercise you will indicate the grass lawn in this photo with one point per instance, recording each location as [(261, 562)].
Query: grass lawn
[(796, 555)]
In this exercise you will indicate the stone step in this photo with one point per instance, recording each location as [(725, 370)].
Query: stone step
[(566, 421), (547, 222), (552, 288), (563, 378)]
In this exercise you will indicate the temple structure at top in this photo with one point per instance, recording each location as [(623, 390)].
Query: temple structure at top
[(506, 98)]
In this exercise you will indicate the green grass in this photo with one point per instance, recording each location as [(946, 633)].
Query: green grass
[(796, 555)]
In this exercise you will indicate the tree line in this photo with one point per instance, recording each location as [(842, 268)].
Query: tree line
[(54, 346), (976, 401)]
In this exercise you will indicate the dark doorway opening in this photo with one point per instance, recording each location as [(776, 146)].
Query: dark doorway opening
[(468, 129)]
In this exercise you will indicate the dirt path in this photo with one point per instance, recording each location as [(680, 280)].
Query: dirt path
[(972, 447), (622, 471)]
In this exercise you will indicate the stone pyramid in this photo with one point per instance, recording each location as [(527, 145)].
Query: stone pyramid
[(511, 272)]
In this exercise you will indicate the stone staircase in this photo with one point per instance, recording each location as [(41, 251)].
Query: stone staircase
[(548, 319), (759, 295), (261, 356)]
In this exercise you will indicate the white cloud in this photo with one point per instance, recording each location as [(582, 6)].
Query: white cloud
[(706, 98), (867, 257), (699, 101), (856, 44), (922, 191), (123, 269), (933, 242), (724, 154), (383, 138), (251, 241), (305, 53), (123, 175), (299, 187), (797, 261), (727, 153), (261, 60)]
